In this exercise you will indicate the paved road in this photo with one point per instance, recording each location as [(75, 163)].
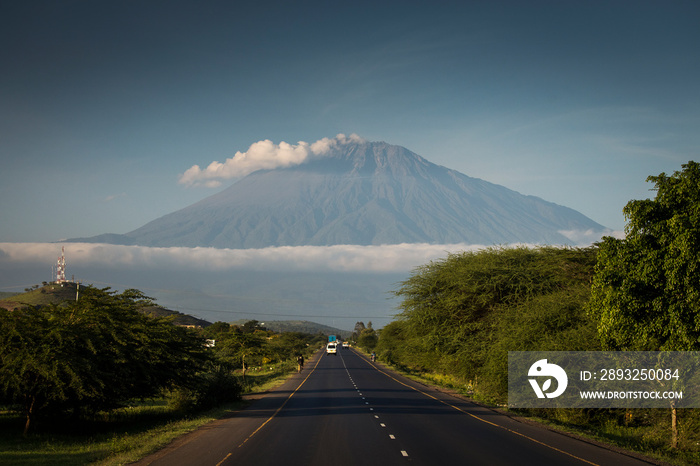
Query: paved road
[(345, 410)]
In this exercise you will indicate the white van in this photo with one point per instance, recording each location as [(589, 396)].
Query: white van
[(331, 348)]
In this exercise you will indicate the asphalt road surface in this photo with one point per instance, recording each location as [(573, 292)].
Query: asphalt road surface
[(345, 410)]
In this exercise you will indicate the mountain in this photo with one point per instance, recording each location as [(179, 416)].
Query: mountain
[(364, 193), (300, 326)]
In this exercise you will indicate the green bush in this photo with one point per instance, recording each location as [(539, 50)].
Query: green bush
[(211, 389), (461, 315), (91, 355), (217, 387)]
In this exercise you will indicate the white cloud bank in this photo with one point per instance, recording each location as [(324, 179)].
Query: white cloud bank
[(390, 258), (262, 155), (342, 258)]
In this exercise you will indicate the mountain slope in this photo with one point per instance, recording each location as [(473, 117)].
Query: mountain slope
[(364, 193)]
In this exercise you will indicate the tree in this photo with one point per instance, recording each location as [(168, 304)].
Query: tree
[(251, 326), (239, 346), (357, 331), (449, 305), (367, 339), (92, 354), (461, 315), (289, 345), (646, 289), (216, 330)]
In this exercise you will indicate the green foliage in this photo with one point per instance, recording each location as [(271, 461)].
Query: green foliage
[(249, 345), (81, 359), (214, 387), (289, 345), (461, 315), (92, 354), (555, 321), (367, 339), (241, 349), (646, 289), (216, 329)]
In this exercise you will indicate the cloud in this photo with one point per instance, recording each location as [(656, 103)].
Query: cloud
[(114, 196), (393, 258), (262, 155), (342, 258)]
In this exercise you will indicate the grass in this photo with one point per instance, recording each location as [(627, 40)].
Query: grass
[(48, 294), (127, 436), (112, 442), (120, 437), (268, 377), (647, 433)]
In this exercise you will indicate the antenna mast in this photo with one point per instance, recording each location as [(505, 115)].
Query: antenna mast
[(61, 267)]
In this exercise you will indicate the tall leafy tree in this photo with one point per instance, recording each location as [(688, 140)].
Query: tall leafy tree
[(646, 289), (92, 354), (240, 347), (367, 339)]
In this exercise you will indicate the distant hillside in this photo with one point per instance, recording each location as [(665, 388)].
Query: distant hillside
[(178, 317), (47, 294), (55, 294), (302, 326)]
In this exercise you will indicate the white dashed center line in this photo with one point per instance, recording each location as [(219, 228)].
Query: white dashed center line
[(404, 453)]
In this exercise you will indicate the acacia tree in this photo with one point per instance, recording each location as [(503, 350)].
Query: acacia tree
[(238, 347), (646, 289), (92, 354), (450, 307)]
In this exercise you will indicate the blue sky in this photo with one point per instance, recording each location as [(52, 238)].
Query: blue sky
[(103, 105)]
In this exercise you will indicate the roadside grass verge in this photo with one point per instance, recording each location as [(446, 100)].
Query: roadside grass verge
[(267, 377), (122, 436)]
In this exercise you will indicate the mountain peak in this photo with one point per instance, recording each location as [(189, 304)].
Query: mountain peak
[(367, 158), (350, 191)]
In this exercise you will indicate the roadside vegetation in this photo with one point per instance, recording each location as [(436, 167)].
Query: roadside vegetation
[(461, 315), (98, 380)]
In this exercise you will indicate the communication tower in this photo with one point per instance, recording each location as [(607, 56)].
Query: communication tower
[(61, 267)]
